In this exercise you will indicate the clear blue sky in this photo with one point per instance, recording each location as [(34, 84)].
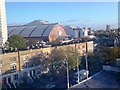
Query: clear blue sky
[(89, 14)]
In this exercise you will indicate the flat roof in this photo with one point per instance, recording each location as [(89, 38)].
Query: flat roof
[(103, 79)]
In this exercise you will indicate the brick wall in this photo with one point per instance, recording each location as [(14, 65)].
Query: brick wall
[(9, 60), (57, 32)]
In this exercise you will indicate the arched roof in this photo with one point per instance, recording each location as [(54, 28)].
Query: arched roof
[(39, 31), (31, 30)]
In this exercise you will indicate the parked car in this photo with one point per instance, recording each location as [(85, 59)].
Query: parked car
[(82, 74)]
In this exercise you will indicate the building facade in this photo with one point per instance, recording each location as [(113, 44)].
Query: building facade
[(10, 61), (107, 27), (76, 32), (15, 65), (3, 23), (38, 31)]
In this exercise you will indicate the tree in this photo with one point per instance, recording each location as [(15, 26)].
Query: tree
[(109, 54), (5, 47), (113, 54), (72, 56), (17, 41), (59, 56), (38, 59), (56, 60)]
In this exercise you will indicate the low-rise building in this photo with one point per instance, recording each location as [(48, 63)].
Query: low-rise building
[(15, 61), (14, 65), (76, 32)]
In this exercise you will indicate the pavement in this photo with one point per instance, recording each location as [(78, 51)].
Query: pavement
[(103, 79)]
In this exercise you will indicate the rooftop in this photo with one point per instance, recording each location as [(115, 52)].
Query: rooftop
[(103, 79), (36, 28)]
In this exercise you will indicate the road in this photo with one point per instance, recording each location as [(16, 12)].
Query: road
[(103, 79)]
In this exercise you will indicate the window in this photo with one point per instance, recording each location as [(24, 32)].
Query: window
[(45, 53), (13, 60), (9, 79), (0, 70), (24, 57), (0, 62), (4, 80), (13, 67), (27, 57), (84, 52), (26, 65), (59, 32), (16, 77), (83, 46), (79, 34)]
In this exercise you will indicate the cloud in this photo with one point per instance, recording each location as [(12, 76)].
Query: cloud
[(70, 21), (74, 20)]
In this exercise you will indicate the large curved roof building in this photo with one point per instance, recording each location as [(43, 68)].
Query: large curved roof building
[(38, 30)]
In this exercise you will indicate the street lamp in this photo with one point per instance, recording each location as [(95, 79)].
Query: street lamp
[(78, 69), (19, 59), (67, 72), (86, 59)]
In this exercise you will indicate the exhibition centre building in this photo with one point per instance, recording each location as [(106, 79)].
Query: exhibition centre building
[(38, 31)]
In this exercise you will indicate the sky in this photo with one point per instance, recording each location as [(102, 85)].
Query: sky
[(83, 14)]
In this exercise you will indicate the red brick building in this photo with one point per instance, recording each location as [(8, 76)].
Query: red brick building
[(38, 30)]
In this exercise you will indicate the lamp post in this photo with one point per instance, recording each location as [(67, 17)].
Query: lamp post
[(78, 69), (86, 59), (67, 75), (19, 60), (67, 72)]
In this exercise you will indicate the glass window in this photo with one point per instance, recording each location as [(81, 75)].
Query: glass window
[(83, 46), (16, 77), (59, 32), (13, 67), (0, 62), (13, 59)]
